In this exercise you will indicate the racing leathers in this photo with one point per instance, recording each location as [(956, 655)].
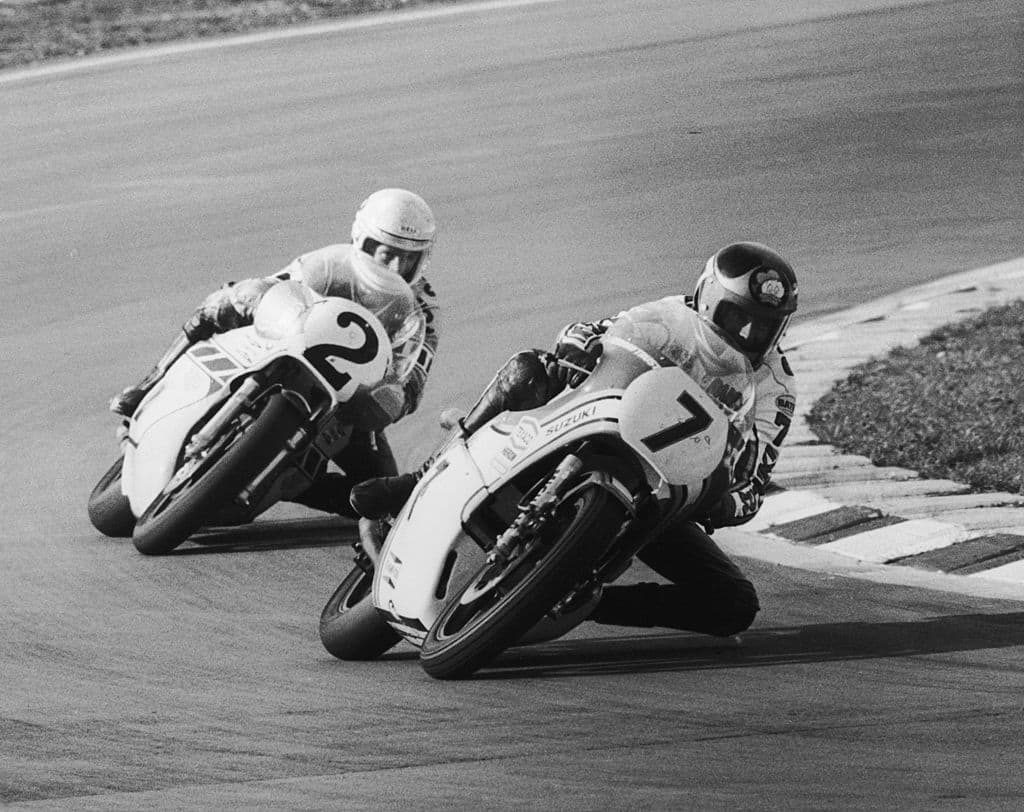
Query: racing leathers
[(335, 270)]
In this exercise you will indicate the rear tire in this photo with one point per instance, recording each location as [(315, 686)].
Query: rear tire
[(466, 636), (109, 510), (175, 515), (351, 628)]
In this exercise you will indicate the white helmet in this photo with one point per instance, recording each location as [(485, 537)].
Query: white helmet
[(399, 219)]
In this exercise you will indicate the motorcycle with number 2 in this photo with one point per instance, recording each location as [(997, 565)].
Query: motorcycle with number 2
[(252, 416), (511, 533)]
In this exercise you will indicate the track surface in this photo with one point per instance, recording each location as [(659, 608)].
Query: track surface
[(581, 157)]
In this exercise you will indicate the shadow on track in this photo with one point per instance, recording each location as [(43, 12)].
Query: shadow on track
[(827, 642), (292, 534)]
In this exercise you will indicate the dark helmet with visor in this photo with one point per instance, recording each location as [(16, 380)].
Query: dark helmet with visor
[(749, 292)]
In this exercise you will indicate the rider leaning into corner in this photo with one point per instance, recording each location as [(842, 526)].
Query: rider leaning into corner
[(392, 235), (750, 293)]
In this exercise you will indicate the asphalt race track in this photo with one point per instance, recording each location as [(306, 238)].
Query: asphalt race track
[(581, 157)]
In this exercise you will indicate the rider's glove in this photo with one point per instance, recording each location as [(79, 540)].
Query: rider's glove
[(227, 308), (579, 350), (451, 418), (199, 328), (735, 507)]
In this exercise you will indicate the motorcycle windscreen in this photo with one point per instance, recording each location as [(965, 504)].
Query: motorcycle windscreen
[(382, 292), (281, 311), (408, 347), (393, 302)]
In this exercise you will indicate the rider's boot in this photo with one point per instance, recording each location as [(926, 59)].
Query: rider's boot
[(383, 496), (671, 606), (127, 401), (329, 493)]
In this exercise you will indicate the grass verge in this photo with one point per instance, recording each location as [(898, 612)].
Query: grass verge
[(952, 407), (33, 31)]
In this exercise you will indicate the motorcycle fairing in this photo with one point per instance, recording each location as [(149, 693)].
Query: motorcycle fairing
[(514, 439), (673, 424), (193, 384), (430, 551), (412, 568), (675, 427), (341, 343)]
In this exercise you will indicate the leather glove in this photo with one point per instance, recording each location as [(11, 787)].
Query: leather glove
[(451, 418), (198, 328), (734, 508), (720, 514), (578, 361)]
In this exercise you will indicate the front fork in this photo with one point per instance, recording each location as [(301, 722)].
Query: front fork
[(542, 506), (241, 399), (537, 511), (644, 516)]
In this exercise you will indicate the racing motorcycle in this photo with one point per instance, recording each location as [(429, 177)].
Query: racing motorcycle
[(251, 416), (512, 531)]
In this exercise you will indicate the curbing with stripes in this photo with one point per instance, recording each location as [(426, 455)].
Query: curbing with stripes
[(841, 502)]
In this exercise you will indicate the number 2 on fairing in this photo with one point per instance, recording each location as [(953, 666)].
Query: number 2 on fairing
[(319, 355), (698, 420)]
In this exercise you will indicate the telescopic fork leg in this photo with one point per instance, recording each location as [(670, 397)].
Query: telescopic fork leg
[(536, 512)]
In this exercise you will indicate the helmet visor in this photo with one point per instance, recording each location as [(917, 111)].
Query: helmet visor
[(405, 263), (755, 335)]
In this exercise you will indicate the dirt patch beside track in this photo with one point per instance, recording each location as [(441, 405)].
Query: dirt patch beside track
[(34, 31)]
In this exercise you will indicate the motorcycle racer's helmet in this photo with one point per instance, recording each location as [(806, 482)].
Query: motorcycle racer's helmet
[(396, 227), (749, 292)]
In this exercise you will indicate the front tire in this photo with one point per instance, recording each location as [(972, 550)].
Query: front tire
[(109, 510), (176, 514), (351, 628), (470, 631)]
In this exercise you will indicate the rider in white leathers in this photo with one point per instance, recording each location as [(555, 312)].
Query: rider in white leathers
[(749, 292), (393, 232)]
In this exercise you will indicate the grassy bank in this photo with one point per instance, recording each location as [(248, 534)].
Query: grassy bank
[(33, 31), (951, 407)]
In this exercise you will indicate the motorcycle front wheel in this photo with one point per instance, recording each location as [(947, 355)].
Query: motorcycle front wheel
[(109, 510), (351, 628), (247, 449), (483, 620)]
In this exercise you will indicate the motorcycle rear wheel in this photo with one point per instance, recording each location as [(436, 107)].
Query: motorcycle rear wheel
[(467, 635), (351, 628), (109, 510), (177, 513)]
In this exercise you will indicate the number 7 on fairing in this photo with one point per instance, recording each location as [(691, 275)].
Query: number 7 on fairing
[(698, 420)]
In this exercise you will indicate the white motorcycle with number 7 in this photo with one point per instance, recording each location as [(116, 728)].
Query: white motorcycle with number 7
[(251, 416), (512, 530)]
